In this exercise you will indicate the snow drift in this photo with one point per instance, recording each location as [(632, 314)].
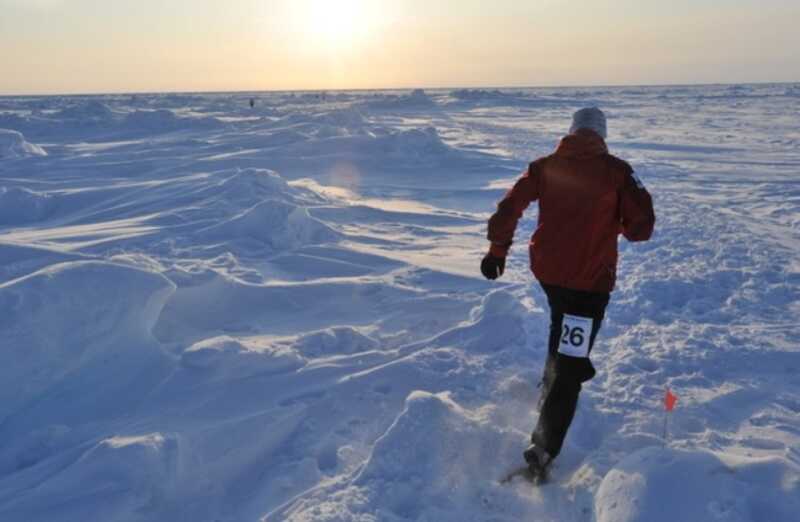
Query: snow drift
[(258, 208), (77, 348), (420, 469), (233, 358), (163, 120), (86, 113), (13, 145), (664, 485), (411, 145), (65, 317), (276, 224), (417, 100)]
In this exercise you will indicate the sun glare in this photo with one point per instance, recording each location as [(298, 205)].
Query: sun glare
[(336, 25)]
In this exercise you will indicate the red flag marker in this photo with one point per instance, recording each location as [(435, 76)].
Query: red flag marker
[(669, 405), (669, 400)]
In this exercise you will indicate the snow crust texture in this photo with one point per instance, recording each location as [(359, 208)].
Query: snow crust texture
[(213, 312)]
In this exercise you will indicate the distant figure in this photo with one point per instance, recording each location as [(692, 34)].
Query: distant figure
[(252, 102), (587, 197)]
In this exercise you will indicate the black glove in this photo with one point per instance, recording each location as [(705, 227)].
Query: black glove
[(493, 267)]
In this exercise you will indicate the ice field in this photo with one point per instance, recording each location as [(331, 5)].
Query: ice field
[(211, 312)]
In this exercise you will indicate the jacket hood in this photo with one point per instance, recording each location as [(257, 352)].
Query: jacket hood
[(582, 143)]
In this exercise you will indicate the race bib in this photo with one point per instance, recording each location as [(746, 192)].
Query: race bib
[(575, 334)]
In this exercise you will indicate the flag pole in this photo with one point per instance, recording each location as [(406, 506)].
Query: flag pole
[(669, 405)]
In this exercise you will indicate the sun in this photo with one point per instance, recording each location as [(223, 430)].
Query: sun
[(337, 25)]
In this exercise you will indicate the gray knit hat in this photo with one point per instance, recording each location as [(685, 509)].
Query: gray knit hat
[(590, 118)]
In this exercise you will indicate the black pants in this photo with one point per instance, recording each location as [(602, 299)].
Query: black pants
[(568, 364)]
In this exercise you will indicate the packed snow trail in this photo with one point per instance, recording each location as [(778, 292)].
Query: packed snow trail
[(218, 312)]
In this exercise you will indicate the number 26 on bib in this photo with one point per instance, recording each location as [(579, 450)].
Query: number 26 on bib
[(575, 335)]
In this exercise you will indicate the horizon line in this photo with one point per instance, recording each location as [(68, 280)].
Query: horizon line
[(380, 89)]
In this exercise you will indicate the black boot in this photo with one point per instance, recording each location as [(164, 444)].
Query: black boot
[(538, 463)]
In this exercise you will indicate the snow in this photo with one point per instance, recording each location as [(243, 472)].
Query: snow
[(13, 145), (643, 486), (215, 312), (46, 341), (229, 357), (412, 475), (88, 112), (163, 119), (20, 205)]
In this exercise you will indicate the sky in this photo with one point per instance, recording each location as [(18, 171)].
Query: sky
[(104, 46)]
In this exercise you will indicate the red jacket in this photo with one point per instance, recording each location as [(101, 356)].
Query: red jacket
[(587, 197)]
